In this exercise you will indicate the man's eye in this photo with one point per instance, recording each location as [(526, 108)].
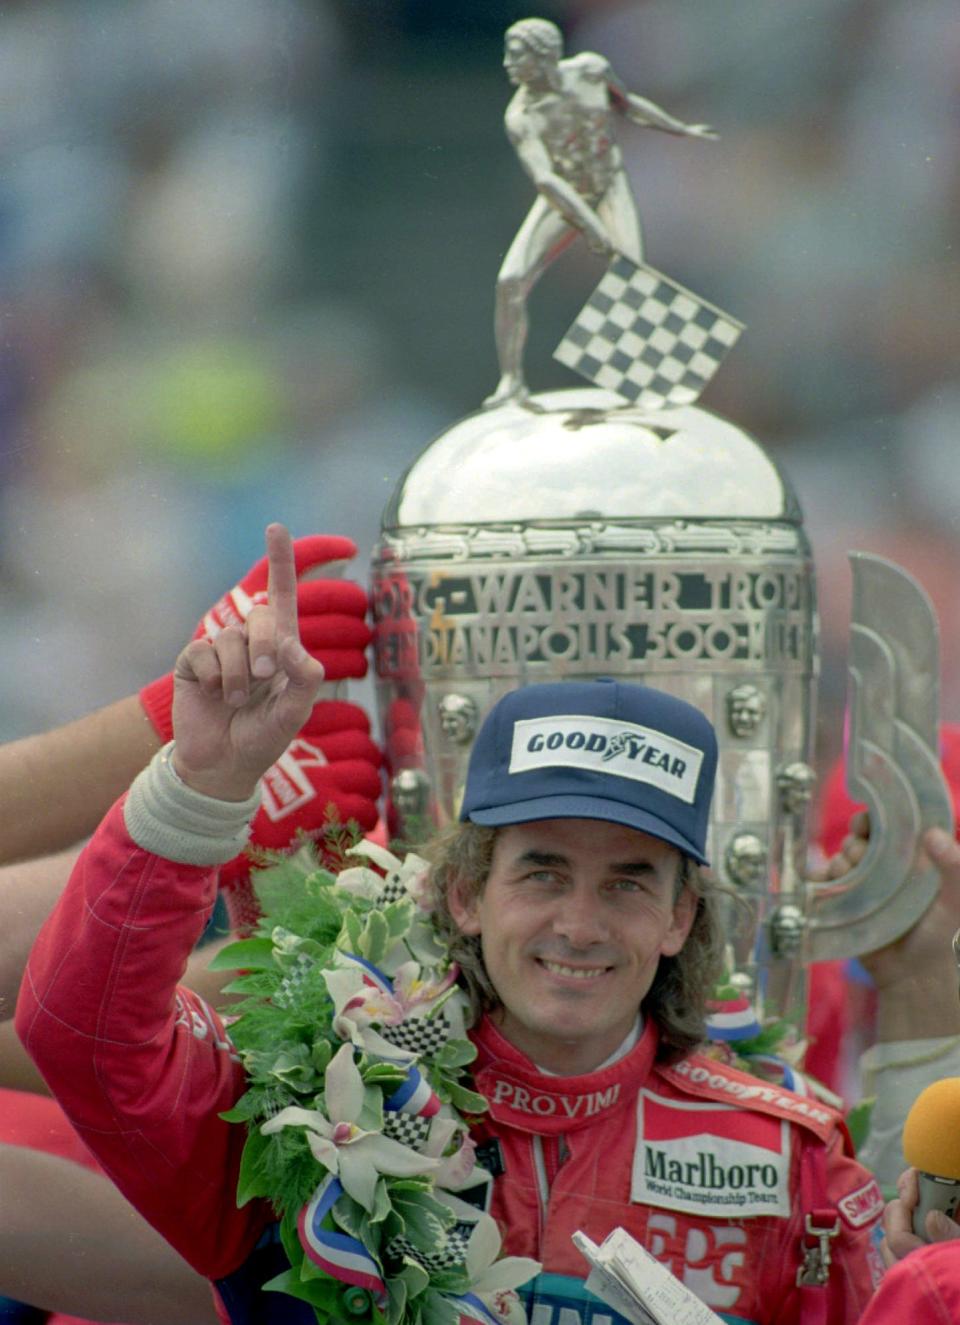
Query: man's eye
[(627, 886), (543, 876)]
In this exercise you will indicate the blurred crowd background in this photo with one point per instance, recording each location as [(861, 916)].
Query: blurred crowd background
[(247, 262)]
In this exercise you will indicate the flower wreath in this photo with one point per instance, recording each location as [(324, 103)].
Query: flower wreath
[(352, 1033)]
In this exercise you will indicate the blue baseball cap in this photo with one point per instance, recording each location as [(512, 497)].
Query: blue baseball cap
[(605, 749)]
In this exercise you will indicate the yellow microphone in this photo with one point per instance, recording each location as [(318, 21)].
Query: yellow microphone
[(931, 1143)]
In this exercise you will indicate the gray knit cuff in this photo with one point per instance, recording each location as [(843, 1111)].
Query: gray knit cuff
[(163, 815)]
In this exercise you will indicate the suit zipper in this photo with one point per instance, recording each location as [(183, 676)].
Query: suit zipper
[(543, 1187)]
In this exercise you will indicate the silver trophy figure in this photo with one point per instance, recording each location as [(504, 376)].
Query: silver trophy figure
[(620, 529), (560, 122)]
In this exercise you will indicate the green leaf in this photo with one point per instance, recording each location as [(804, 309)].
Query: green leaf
[(392, 1227), (246, 1108), (246, 954), (396, 1300), (256, 984), (858, 1121), (375, 938), (455, 1053), (320, 1054), (414, 1276), (399, 916), (388, 1076), (415, 1182), (467, 1101), (293, 1067), (424, 1230), (371, 1111), (349, 940), (439, 1310), (250, 1182), (450, 1281), (324, 1293), (348, 1215), (382, 1205), (427, 1202)]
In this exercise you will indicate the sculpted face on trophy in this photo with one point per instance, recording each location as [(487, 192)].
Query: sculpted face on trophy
[(410, 794), (787, 927), (458, 718), (746, 707), (796, 783), (617, 528), (746, 860)]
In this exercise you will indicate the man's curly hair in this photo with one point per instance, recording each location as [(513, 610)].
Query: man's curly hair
[(460, 856), (539, 35)]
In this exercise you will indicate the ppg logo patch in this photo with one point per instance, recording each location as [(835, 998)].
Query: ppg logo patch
[(607, 745)]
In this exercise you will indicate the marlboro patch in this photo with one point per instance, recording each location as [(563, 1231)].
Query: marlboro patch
[(710, 1159)]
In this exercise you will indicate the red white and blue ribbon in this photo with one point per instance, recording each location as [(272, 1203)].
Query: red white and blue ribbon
[(341, 1256), (791, 1080), (731, 1019), (372, 974), (415, 1096)]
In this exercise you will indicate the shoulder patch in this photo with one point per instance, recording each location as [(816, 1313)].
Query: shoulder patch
[(863, 1206), (711, 1159), (705, 1078)]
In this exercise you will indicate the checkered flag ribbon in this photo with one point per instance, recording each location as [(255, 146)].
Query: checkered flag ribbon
[(450, 1253), (394, 890), (409, 1129), (419, 1035), (647, 338), (288, 991)]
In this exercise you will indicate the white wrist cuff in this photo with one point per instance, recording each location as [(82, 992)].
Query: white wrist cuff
[(166, 817)]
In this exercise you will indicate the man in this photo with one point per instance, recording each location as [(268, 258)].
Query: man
[(560, 123), (574, 899), (574, 889)]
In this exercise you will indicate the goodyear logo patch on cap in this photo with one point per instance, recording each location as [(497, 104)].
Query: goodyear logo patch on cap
[(607, 745)]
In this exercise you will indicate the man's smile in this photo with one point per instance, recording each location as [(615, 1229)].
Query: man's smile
[(574, 972)]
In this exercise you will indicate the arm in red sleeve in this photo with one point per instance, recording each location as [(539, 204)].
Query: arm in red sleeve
[(141, 1066)]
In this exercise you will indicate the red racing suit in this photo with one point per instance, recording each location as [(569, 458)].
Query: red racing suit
[(708, 1168), (711, 1170)]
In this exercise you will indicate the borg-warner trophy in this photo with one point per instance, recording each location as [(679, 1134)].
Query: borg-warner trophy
[(619, 529)]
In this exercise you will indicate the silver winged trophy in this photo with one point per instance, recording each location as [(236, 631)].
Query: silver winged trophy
[(620, 529)]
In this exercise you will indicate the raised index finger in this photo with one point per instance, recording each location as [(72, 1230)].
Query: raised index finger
[(282, 581)]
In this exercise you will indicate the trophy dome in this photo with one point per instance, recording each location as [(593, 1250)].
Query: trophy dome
[(582, 454)]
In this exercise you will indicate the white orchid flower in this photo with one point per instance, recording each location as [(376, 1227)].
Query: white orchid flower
[(489, 1277), (339, 1145), (355, 1005), (412, 871), (361, 882), (506, 1306), (455, 1169), (415, 995)]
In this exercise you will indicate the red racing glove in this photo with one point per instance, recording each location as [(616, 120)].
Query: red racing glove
[(332, 762), (333, 625)]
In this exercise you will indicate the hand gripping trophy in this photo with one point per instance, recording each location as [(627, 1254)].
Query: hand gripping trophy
[(620, 529)]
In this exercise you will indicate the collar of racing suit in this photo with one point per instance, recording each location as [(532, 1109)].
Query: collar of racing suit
[(520, 1095)]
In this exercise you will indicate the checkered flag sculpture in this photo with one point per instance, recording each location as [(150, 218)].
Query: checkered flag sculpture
[(647, 338)]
